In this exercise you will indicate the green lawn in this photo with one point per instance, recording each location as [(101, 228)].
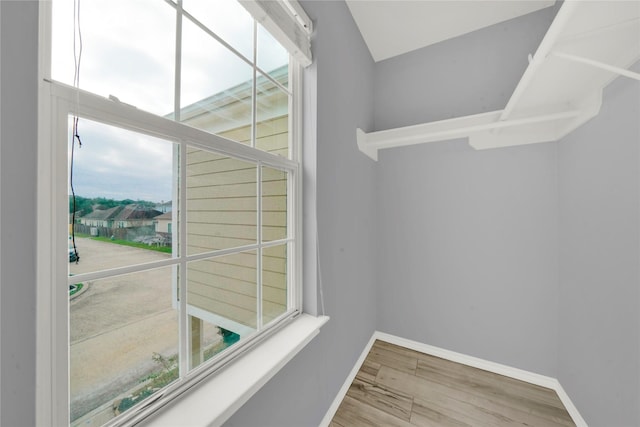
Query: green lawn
[(164, 249)]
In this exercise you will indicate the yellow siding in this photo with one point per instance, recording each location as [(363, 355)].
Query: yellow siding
[(237, 314), (222, 214), (273, 219), (274, 282), (239, 176)]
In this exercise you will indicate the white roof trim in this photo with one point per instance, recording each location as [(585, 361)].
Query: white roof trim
[(587, 46)]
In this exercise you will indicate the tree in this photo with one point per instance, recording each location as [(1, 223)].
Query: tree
[(86, 205)]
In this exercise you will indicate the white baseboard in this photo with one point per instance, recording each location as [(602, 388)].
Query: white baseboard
[(570, 407), (464, 359), (347, 383)]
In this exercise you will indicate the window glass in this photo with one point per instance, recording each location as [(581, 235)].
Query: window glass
[(123, 182), (127, 273), (221, 294), (227, 19), (274, 204), (274, 282), (216, 88), (123, 343), (128, 50), (221, 202), (272, 132), (272, 58)]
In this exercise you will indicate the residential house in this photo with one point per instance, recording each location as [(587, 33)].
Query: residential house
[(133, 216), (129, 216), (164, 223), (527, 256), (100, 217)]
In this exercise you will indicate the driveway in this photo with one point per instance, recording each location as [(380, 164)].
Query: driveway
[(117, 324)]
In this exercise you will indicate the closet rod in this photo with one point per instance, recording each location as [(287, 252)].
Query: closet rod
[(598, 64)]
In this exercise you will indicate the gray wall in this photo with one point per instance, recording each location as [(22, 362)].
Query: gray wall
[(468, 239), (18, 114), (529, 256), (468, 251), (470, 74), (302, 392), (479, 228), (599, 350)]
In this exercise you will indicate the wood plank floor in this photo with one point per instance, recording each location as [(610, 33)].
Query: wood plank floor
[(400, 387)]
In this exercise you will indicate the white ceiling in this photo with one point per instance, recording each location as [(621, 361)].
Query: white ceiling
[(587, 46), (394, 27)]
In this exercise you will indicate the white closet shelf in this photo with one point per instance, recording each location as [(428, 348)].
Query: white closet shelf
[(587, 46)]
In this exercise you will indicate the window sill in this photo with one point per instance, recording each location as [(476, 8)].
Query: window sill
[(234, 385)]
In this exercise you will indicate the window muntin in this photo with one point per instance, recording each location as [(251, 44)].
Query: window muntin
[(272, 300)]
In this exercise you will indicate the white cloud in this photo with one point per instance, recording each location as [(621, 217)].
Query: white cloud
[(129, 52), (120, 164)]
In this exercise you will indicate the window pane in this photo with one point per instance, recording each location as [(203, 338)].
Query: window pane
[(123, 184), (227, 19), (272, 118), (128, 50), (221, 293), (123, 343), (274, 282), (274, 204), (272, 57), (216, 87), (127, 192), (221, 202), (208, 339)]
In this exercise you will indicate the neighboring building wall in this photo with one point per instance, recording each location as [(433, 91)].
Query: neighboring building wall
[(221, 214), (164, 224), (301, 393), (467, 240), (599, 172)]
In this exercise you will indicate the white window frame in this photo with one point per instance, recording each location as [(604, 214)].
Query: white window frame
[(56, 102)]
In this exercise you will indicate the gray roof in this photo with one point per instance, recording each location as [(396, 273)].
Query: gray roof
[(103, 214), (123, 213), (165, 216)]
